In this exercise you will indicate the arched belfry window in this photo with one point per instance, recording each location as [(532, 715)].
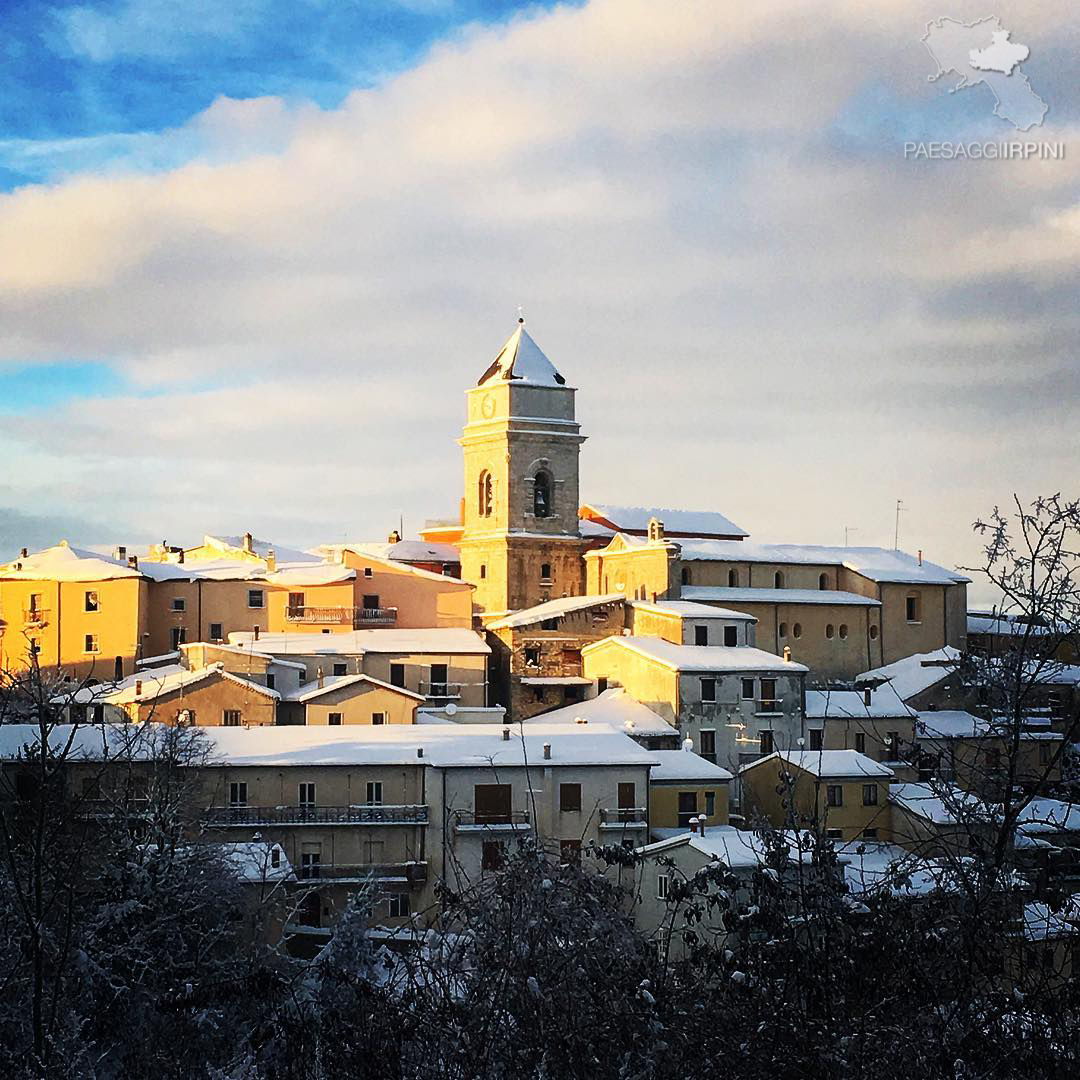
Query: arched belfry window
[(542, 495), (484, 496)]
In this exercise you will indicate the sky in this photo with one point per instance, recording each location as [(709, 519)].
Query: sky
[(252, 254)]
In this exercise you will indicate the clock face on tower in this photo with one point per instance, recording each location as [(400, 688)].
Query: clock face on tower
[(487, 407)]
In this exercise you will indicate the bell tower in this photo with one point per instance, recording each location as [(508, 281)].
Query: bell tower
[(521, 544)]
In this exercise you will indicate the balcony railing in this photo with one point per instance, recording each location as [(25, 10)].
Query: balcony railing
[(35, 616), (472, 821), (415, 873), (378, 616), (317, 815), (768, 705), (443, 690), (633, 816), (307, 614)]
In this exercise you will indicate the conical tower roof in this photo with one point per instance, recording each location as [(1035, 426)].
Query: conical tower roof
[(522, 360)]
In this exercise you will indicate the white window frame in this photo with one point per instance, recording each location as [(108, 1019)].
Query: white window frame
[(238, 793), (374, 793), (663, 886), (305, 793)]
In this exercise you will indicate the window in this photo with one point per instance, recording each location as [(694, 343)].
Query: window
[(91, 787), (816, 737), (492, 804), (118, 668), (484, 494), (765, 742), (545, 572), (369, 572), (309, 861), (378, 719), (374, 793), (570, 851), (685, 576), (769, 702), (483, 571), (708, 689), (663, 883), (397, 905), (731, 636), (237, 793), (892, 745), (710, 803), (601, 685), (860, 742), (275, 856), (341, 669), (834, 834), (217, 632), (914, 608), (271, 680), (687, 808), (627, 798), (708, 746), (179, 603), (491, 857), (296, 605), (873, 633), (843, 630), (778, 579), (371, 601), (1045, 754), (834, 795), (781, 630), (796, 630), (305, 794), (438, 680), (542, 495), (334, 719), (869, 834), (823, 581), (90, 643), (701, 635), (231, 718), (569, 798), (830, 630), (549, 624), (35, 608), (869, 794), (177, 635), (397, 675), (255, 598), (532, 655), (90, 601), (733, 579)]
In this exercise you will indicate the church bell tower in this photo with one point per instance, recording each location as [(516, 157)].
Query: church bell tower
[(521, 544)]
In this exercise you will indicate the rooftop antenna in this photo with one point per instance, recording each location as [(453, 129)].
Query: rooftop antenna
[(401, 524), (900, 508), (849, 529), (521, 314)]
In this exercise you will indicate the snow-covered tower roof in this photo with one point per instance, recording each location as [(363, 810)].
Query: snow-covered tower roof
[(522, 360)]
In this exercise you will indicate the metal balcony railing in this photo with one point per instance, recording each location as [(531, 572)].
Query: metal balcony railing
[(381, 616), (442, 690), (415, 873), (768, 705), (35, 616), (490, 819), (633, 815), (308, 614), (317, 815)]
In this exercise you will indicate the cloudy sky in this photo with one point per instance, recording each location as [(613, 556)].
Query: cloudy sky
[(252, 253)]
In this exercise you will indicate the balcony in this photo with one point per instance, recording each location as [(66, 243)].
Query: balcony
[(342, 615), (224, 816), (633, 817), (768, 706), (378, 616), (441, 691), (411, 873), (469, 821), (35, 616)]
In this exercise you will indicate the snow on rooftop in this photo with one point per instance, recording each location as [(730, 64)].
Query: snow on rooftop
[(686, 765), (614, 707), (692, 523), (228, 545), (1049, 815), (553, 609), (688, 609), (939, 802), (877, 564), (913, 674), (836, 764), (1041, 923), (147, 686), (957, 724), (775, 596), (257, 861), (444, 639), (62, 562), (444, 745), (736, 848), (87, 742), (309, 691), (397, 551), (241, 650), (702, 657), (521, 360), (873, 866), (852, 703), (988, 622)]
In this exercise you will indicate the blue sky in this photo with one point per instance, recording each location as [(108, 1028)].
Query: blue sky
[(255, 251)]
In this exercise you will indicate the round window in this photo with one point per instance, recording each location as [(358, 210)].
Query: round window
[(829, 630), (796, 630)]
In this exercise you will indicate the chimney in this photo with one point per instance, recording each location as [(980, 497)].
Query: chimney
[(255, 631), (138, 687), (271, 560), (867, 694), (506, 734), (133, 562), (701, 824), (249, 542), (319, 675), (920, 556), (180, 556), (787, 654), (394, 537), (461, 515), (547, 751), (121, 554), (25, 552), (694, 824), (688, 744), (419, 751)]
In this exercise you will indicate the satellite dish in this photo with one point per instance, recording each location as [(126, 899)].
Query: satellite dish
[(450, 709)]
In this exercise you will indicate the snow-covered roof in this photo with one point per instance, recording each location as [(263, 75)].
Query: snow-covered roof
[(309, 691), (555, 680), (693, 523), (989, 622), (702, 657), (957, 724), (831, 764), (553, 609), (254, 861), (878, 564), (614, 707), (1049, 815), (727, 595), (913, 674), (449, 640), (406, 551), (241, 650), (873, 866), (687, 609), (444, 745), (62, 562), (89, 742), (1041, 923), (147, 686), (228, 545), (686, 765), (521, 360), (939, 803), (373, 552), (311, 574), (852, 703), (736, 848)]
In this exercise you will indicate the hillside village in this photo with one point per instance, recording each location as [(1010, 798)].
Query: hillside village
[(584, 674)]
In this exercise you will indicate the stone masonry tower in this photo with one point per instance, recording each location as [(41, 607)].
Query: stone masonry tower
[(521, 544)]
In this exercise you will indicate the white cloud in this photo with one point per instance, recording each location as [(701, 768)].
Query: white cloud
[(746, 304)]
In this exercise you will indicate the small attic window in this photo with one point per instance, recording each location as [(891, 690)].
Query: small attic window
[(778, 579), (733, 579)]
